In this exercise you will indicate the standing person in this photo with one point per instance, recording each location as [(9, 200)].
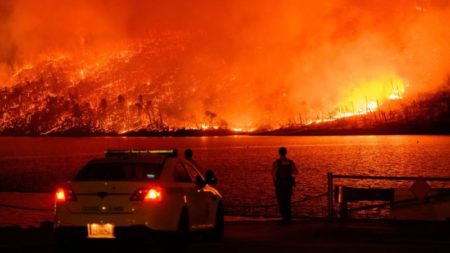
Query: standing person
[(283, 171), (188, 154)]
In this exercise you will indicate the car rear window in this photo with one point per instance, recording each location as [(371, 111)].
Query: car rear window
[(119, 171)]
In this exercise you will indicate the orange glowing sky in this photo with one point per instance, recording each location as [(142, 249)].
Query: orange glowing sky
[(251, 63)]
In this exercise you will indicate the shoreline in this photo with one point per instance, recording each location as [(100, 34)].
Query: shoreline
[(219, 133)]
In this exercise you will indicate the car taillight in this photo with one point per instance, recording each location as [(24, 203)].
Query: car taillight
[(64, 194), (153, 194)]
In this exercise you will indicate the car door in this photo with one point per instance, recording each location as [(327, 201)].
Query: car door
[(203, 199), (192, 198)]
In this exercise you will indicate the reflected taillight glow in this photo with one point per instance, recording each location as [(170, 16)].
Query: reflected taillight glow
[(151, 194), (60, 195), (63, 195)]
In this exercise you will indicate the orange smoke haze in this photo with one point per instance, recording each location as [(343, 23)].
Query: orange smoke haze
[(242, 63)]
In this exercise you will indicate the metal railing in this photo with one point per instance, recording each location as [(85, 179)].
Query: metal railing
[(328, 209), (26, 208), (331, 177), (245, 210)]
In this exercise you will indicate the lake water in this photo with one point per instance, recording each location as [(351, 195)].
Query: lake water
[(242, 163)]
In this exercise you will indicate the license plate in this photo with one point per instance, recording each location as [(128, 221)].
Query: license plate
[(100, 230)]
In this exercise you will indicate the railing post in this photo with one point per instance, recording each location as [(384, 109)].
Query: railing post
[(330, 194)]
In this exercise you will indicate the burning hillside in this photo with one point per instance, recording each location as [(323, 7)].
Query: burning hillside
[(111, 67), (130, 90)]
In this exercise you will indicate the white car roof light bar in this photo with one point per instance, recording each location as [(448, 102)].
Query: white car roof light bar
[(139, 152)]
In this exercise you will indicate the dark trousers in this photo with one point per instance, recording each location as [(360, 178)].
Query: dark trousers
[(284, 194)]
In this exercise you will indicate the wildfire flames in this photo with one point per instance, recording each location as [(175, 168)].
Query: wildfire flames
[(121, 66), (368, 97)]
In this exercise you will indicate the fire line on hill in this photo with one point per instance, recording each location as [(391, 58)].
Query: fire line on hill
[(134, 66)]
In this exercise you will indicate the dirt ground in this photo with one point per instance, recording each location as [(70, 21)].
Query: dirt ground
[(269, 236)]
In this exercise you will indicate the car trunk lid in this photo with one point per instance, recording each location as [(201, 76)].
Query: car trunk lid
[(103, 197)]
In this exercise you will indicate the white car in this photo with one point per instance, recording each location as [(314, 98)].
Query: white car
[(138, 193)]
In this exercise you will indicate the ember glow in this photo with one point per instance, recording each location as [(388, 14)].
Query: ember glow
[(121, 66), (369, 95)]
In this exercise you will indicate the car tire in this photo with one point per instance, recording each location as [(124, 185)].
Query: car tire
[(64, 245), (180, 240), (216, 234)]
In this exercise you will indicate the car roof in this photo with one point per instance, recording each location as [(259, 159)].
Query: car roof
[(148, 159)]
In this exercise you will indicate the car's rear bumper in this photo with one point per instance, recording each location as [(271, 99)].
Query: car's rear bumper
[(155, 217), (135, 232)]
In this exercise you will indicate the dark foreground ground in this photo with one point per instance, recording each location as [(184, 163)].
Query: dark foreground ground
[(268, 236)]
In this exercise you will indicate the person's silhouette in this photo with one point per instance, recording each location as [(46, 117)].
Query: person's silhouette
[(188, 155), (283, 171)]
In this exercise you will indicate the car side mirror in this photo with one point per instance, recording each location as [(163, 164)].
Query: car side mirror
[(210, 178), (199, 181)]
